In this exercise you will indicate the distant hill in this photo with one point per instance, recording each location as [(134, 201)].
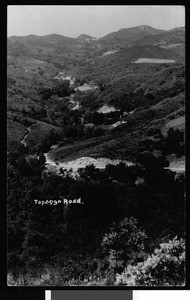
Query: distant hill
[(53, 48), (42, 39), (84, 36), (131, 34), (31, 37), (137, 31), (174, 35), (127, 36), (178, 29)]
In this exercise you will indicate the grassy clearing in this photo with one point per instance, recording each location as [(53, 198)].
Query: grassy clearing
[(178, 123), (154, 61), (53, 277)]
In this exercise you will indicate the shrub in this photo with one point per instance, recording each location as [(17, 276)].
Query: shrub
[(165, 267)]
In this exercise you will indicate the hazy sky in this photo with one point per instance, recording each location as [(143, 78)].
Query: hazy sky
[(95, 20)]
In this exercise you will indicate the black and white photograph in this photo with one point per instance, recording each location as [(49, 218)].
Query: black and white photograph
[(96, 146)]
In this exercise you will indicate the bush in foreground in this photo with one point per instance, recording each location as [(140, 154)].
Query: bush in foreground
[(165, 267)]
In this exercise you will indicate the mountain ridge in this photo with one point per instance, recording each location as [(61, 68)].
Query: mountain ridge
[(140, 28)]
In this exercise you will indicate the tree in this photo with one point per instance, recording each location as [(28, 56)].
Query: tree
[(175, 135), (61, 88), (42, 159), (97, 118), (151, 163), (123, 242), (53, 137), (71, 132)]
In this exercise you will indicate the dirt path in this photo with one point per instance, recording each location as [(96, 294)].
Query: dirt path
[(24, 138), (100, 163), (82, 162), (177, 165)]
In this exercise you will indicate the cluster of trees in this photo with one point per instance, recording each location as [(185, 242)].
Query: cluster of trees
[(61, 88), (172, 143), (60, 115), (145, 202), (100, 118), (165, 84), (77, 133), (113, 95), (37, 113), (68, 134), (126, 93), (23, 120), (88, 100)]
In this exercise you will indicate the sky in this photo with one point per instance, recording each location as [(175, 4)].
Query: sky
[(95, 20)]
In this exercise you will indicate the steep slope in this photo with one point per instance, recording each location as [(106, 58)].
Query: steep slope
[(120, 64), (166, 83)]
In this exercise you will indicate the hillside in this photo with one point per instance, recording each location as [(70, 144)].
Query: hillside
[(34, 61), (120, 64), (98, 125)]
